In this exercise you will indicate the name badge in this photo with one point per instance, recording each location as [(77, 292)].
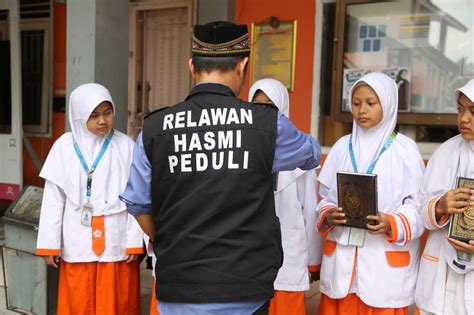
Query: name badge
[(356, 237), (86, 215)]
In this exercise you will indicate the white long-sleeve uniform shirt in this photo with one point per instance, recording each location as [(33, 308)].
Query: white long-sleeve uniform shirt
[(296, 208), (60, 229)]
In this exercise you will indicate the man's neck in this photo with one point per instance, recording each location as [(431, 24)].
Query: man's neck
[(225, 78)]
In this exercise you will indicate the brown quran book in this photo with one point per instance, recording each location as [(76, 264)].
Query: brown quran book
[(461, 226), (357, 196)]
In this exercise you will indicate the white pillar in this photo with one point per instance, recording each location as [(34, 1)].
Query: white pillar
[(97, 49)]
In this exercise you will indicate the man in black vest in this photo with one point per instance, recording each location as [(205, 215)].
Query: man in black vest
[(201, 184)]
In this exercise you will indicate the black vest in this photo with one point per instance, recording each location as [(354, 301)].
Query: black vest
[(217, 238)]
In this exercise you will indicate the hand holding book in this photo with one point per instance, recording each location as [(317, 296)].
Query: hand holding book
[(455, 201), (462, 246), (380, 224), (335, 217)]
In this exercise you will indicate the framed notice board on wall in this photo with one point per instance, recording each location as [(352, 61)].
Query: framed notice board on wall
[(273, 51)]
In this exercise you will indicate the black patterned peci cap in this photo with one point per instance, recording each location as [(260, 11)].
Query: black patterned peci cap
[(220, 39)]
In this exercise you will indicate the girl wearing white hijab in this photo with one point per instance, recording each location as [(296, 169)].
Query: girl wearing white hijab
[(374, 274), (295, 205), (82, 219), (445, 281)]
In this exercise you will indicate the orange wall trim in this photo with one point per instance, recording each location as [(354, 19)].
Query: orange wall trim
[(248, 11)]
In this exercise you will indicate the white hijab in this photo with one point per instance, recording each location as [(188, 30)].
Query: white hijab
[(82, 102), (466, 159), (456, 158), (278, 94), (368, 143), (63, 167)]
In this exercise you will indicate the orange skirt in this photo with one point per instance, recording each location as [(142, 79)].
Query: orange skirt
[(287, 303), (99, 288), (352, 305)]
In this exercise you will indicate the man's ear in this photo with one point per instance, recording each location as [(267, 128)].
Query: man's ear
[(241, 65), (191, 66)]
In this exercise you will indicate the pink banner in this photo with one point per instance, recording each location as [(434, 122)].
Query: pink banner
[(9, 191)]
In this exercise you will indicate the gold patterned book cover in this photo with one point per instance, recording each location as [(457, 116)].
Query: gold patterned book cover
[(461, 226), (357, 196)]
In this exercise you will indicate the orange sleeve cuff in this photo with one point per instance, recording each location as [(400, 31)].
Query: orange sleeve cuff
[(47, 252), (135, 251), (436, 220), (441, 219), (323, 226), (393, 227), (314, 268)]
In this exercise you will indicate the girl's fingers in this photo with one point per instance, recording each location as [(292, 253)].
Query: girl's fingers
[(50, 261), (380, 231), (465, 191), (374, 217), (461, 246), (131, 258), (456, 210), (457, 193), (339, 222), (376, 227), (459, 204), (464, 196), (456, 246), (338, 214)]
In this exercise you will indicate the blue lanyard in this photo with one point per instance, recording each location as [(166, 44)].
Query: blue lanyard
[(372, 166), (90, 171)]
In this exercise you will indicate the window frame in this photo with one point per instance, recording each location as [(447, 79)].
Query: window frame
[(43, 129), (430, 119)]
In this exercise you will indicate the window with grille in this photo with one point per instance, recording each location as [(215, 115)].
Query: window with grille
[(35, 74), (36, 56)]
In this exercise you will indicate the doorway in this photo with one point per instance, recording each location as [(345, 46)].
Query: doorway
[(160, 46)]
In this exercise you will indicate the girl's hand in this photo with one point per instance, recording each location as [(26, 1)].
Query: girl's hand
[(335, 217), (381, 227), (461, 246), (455, 201), (52, 261), (131, 258)]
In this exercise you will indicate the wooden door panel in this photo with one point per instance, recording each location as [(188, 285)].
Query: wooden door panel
[(160, 46), (167, 53)]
